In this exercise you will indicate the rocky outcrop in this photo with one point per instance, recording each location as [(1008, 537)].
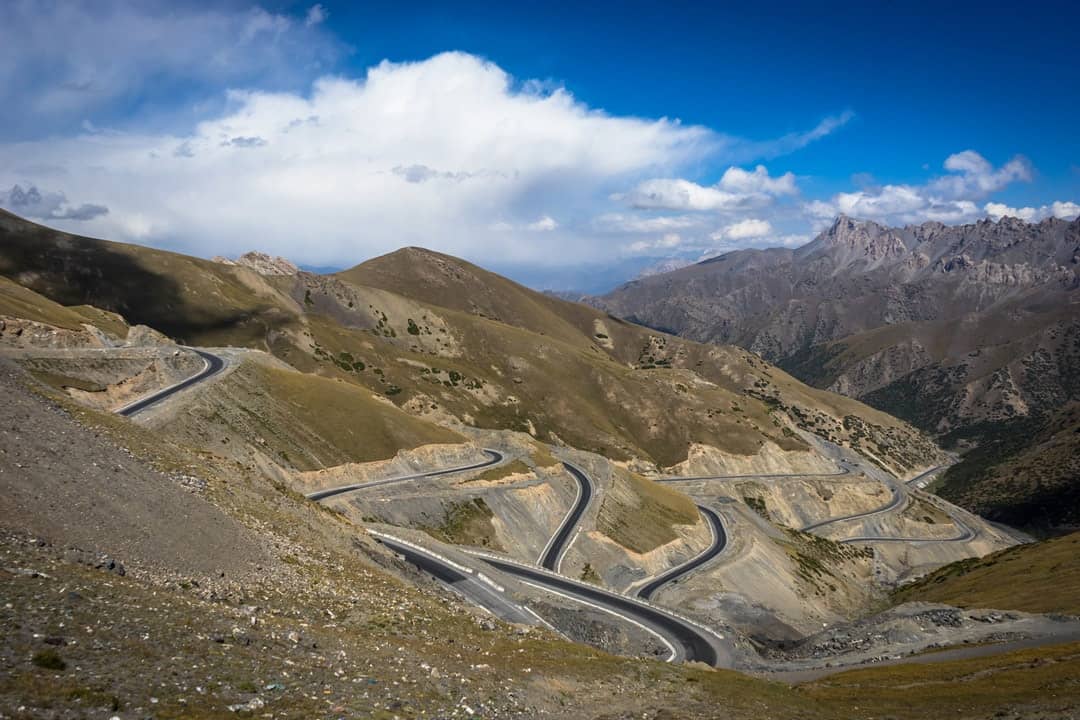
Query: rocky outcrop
[(262, 263)]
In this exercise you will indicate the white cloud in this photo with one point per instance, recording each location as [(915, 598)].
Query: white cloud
[(743, 230), (665, 243), (792, 141), (949, 199), (316, 15), (432, 152), (624, 223), (758, 181), (544, 224), (678, 194), (1065, 210), (996, 211), (974, 176), (1058, 209), (738, 189)]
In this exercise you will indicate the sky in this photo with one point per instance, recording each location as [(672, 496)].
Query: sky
[(568, 145)]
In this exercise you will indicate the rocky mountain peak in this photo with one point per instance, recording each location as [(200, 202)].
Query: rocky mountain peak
[(850, 240), (262, 263)]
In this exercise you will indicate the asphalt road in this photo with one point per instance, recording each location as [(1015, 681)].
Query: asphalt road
[(966, 533), (560, 541), (214, 364), (494, 456), (894, 502), (719, 543), (461, 581), (844, 470), (691, 642)]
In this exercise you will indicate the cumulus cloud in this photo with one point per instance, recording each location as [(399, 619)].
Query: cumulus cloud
[(33, 203), (544, 224), (757, 181), (738, 189), (438, 152), (951, 198), (1057, 209), (743, 230)]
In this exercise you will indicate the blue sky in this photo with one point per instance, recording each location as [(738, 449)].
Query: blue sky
[(568, 146)]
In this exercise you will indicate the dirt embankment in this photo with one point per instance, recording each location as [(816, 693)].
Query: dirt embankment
[(68, 484), (109, 379)]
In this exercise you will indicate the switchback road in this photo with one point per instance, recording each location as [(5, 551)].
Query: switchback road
[(213, 365)]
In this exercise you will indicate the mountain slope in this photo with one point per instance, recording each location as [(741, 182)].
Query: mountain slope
[(1040, 577), (445, 340), (969, 332)]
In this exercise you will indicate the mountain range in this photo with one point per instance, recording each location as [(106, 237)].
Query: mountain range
[(416, 488), (970, 332)]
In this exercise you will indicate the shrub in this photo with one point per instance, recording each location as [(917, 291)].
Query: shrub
[(49, 659)]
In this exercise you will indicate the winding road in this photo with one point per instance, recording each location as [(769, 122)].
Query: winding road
[(213, 365), (898, 495), (551, 557), (464, 580), (686, 640), (494, 457), (844, 470), (718, 544)]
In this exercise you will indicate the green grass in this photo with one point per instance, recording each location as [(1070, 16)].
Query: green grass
[(18, 301), (1028, 683), (49, 659)]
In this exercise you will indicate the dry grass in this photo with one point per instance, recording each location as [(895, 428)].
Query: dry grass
[(1042, 577), (641, 515), (1040, 682), (499, 472), (21, 302), (303, 420)]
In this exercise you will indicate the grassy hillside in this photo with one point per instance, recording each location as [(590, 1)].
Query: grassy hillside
[(300, 420), (195, 301), (436, 335), (20, 302), (641, 515), (1042, 577), (1024, 472)]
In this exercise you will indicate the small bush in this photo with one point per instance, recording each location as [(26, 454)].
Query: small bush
[(49, 659)]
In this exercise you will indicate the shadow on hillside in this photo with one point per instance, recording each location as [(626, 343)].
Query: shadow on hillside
[(73, 270)]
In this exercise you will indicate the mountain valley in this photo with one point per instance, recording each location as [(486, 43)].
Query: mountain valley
[(417, 489)]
